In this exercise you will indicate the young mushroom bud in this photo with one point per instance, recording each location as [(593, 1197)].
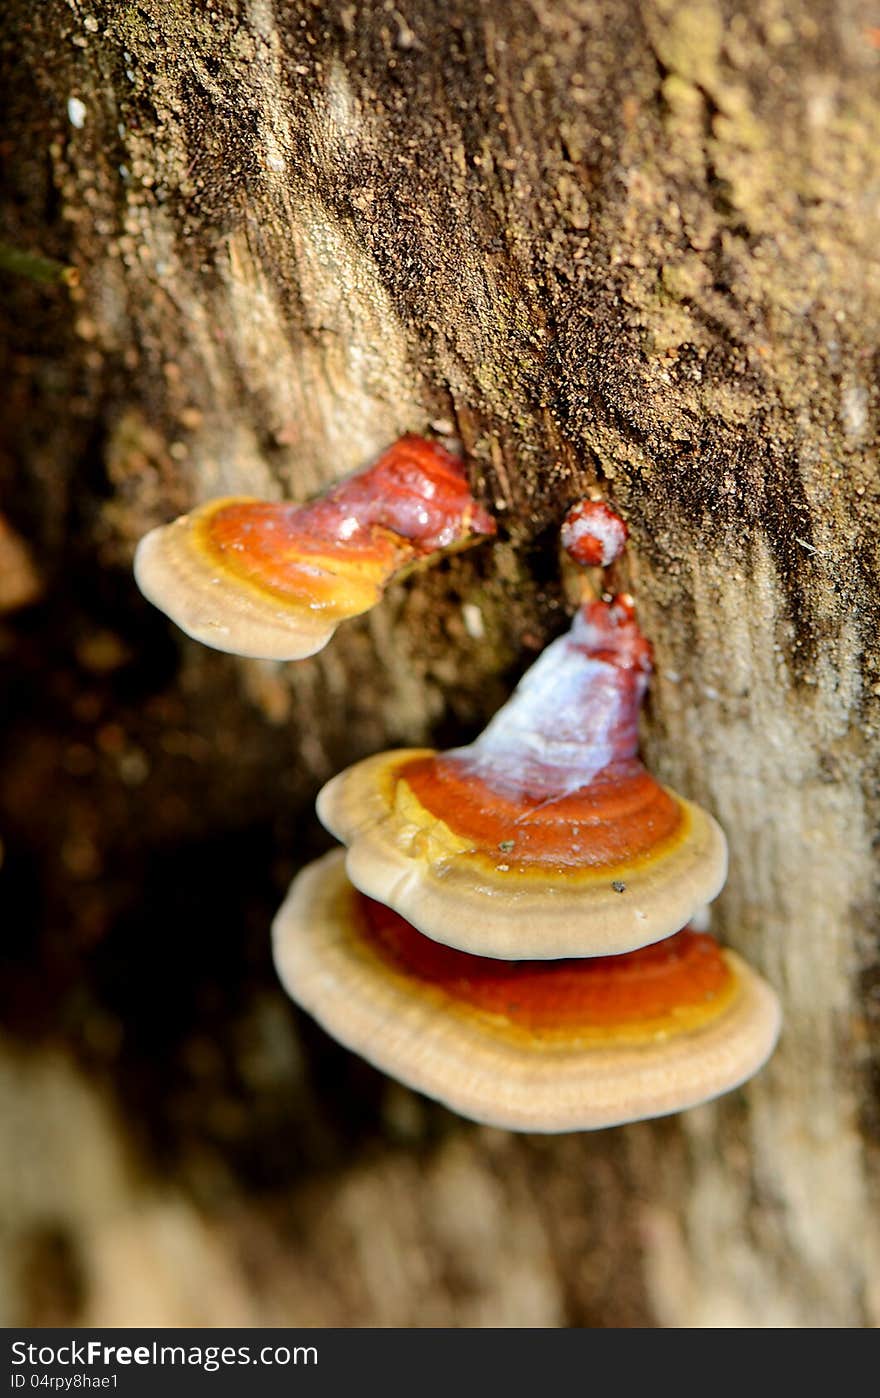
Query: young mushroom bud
[(593, 535), (274, 580), (530, 1046), (546, 837)]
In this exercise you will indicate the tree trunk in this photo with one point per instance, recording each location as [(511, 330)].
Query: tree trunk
[(600, 243)]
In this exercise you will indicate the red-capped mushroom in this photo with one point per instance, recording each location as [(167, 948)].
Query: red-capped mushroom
[(546, 837), (531, 1046), (274, 580)]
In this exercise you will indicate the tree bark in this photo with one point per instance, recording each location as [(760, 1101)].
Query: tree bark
[(599, 243)]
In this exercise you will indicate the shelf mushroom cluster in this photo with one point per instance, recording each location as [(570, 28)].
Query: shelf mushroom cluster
[(508, 926)]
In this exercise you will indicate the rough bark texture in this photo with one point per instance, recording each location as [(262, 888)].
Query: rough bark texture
[(596, 241)]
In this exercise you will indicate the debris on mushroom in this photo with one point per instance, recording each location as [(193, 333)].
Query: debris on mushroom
[(274, 579), (546, 837), (530, 1046)]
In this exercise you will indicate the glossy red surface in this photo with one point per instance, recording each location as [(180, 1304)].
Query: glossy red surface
[(684, 972), (413, 501), (619, 816), (555, 779)]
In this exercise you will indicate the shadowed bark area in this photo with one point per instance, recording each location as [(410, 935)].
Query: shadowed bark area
[(599, 243)]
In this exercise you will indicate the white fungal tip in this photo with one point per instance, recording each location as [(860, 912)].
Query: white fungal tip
[(473, 621), (76, 112)]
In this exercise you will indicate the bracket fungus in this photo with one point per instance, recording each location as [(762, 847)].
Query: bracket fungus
[(546, 837), (508, 929), (530, 1046), (273, 580)]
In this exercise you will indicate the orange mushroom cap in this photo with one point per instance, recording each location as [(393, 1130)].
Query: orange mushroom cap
[(546, 837), (531, 1046), (273, 580)]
